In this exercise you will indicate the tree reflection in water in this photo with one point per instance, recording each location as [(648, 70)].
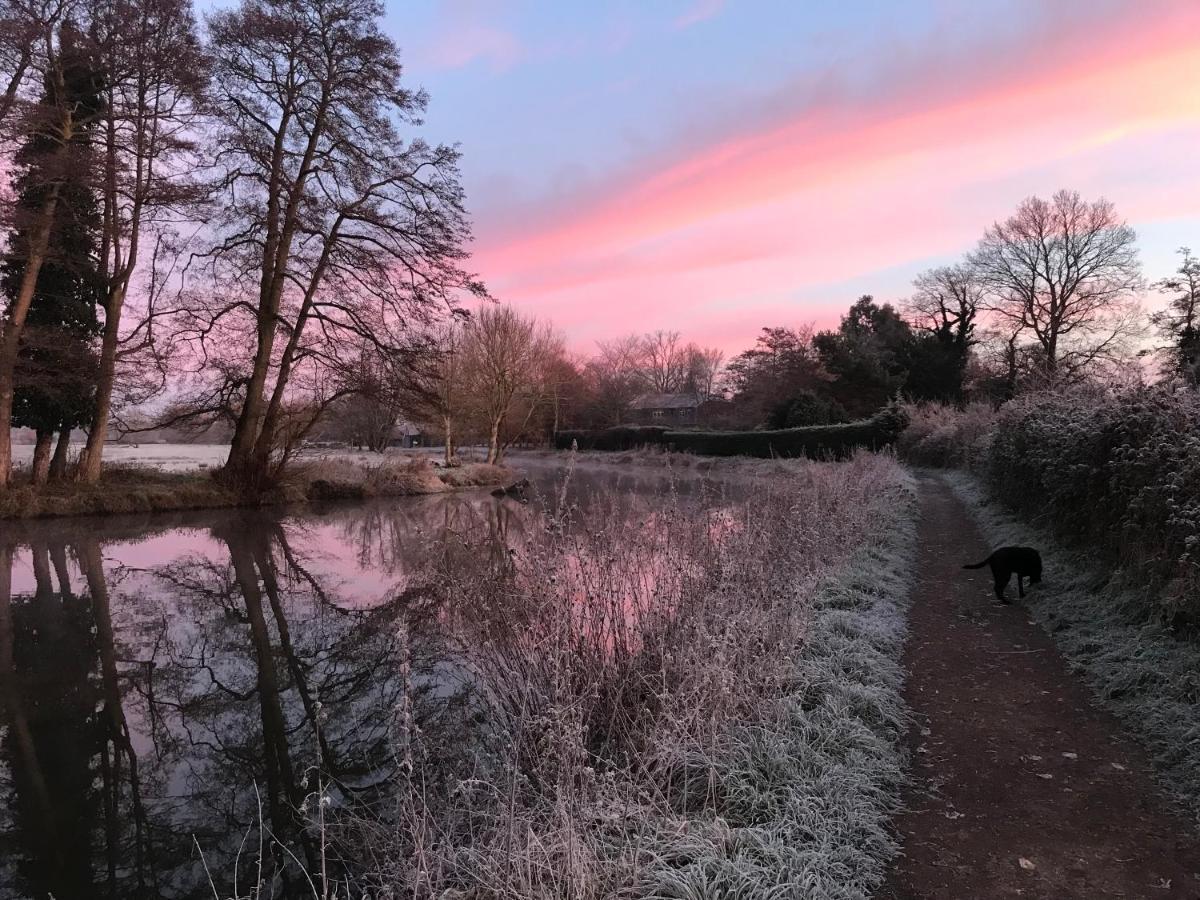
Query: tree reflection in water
[(202, 699)]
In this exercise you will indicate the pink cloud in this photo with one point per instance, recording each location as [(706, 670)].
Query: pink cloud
[(750, 226), (469, 43)]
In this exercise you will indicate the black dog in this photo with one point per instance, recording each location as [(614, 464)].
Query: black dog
[(1025, 561)]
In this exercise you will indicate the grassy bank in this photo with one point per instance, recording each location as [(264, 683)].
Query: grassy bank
[(701, 703), (1144, 670), (137, 489)]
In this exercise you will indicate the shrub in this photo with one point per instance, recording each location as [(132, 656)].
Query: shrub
[(1118, 473), (945, 436), (403, 478), (804, 409)]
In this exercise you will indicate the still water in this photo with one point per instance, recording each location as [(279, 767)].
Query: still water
[(175, 690)]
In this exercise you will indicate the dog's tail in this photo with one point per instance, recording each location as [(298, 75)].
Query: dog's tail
[(978, 565)]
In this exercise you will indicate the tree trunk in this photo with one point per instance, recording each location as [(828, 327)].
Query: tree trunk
[(41, 457), (449, 426), (494, 448), (91, 459), (14, 324), (240, 463), (58, 465)]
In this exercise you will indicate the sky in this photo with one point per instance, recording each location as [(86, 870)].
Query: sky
[(716, 166)]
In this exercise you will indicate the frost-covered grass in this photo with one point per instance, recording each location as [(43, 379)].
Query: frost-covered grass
[(351, 478), (122, 489), (808, 791), (1109, 630), (702, 703)]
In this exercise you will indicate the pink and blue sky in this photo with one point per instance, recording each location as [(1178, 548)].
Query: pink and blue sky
[(714, 167)]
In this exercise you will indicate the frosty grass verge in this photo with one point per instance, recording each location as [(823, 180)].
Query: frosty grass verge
[(1136, 667), (823, 783)]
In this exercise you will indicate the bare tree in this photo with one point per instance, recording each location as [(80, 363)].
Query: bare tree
[(442, 399), (335, 230), (505, 359), (369, 414), (665, 362), (23, 26), (615, 373), (702, 370), (944, 309), (155, 76), (1064, 271), (946, 301)]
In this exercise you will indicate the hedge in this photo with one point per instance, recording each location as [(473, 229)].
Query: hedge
[(1117, 473), (621, 437), (816, 441)]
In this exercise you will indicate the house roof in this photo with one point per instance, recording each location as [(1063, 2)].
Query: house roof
[(405, 428), (666, 401)]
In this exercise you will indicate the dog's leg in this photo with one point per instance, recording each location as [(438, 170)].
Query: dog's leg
[(1001, 584)]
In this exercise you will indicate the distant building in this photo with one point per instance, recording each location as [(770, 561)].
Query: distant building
[(665, 409), (405, 434)]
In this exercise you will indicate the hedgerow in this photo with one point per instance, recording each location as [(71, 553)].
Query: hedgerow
[(946, 437), (814, 442), (1116, 472)]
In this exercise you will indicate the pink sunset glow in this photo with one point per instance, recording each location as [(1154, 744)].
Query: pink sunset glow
[(784, 218)]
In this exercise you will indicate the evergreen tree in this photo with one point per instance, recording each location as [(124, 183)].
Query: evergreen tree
[(56, 367), (1180, 321), (869, 356)]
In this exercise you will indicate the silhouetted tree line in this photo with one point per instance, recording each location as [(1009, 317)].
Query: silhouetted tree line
[(1048, 298)]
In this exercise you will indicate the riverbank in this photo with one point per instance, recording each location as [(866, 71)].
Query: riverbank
[(685, 700), (141, 489)]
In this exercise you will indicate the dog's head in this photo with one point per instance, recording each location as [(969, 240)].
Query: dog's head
[(1036, 577)]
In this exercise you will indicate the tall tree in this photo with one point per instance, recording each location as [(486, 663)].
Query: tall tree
[(615, 373), (334, 229), (701, 371), (868, 357), (781, 366), (1179, 323), (943, 308), (56, 368), (23, 24), (155, 78), (57, 151), (665, 362), (1064, 272), (506, 357)]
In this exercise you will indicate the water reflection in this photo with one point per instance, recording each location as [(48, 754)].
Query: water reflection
[(177, 694)]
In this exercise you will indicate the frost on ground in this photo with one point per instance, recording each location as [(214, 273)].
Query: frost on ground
[(703, 703), (1134, 662), (808, 792)]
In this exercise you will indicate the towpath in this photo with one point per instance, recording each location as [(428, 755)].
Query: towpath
[(1022, 787)]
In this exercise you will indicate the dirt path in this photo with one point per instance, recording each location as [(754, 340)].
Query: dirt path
[(1011, 761)]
